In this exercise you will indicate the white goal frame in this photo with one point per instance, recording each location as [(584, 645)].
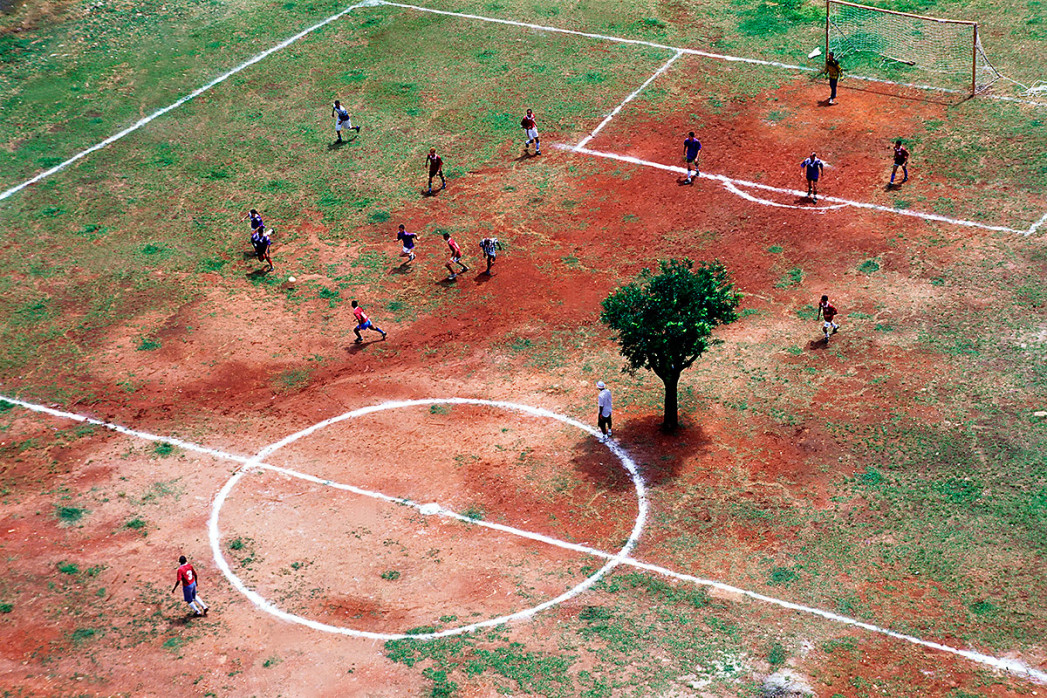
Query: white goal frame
[(973, 26)]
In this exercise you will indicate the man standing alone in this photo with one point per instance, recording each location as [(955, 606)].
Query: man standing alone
[(187, 578), (832, 70), (603, 403)]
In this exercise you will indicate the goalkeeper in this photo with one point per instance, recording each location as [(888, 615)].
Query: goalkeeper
[(832, 70)]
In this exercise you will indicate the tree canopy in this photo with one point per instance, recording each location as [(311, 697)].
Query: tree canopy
[(664, 321)]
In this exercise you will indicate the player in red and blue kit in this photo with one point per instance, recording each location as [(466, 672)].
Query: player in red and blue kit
[(363, 323), (456, 258), (530, 127), (691, 148), (187, 577)]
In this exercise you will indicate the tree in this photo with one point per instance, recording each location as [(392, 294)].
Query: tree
[(664, 321)]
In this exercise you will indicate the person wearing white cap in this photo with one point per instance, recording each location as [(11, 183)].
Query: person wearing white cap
[(603, 402)]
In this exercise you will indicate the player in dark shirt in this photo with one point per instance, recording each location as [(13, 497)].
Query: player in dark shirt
[(691, 148), (901, 159), (812, 170), (436, 168)]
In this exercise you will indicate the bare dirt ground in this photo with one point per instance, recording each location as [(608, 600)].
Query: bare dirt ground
[(111, 626)]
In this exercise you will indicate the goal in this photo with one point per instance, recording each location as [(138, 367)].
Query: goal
[(912, 49)]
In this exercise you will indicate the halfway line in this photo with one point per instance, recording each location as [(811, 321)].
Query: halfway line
[(1010, 666), (795, 192), (195, 93)]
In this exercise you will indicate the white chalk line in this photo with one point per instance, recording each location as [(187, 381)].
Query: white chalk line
[(1013, 667), (628, 99), (1035, 226), (430, 509), (794, 192), (174, 105), (697, 52), (729, 186)]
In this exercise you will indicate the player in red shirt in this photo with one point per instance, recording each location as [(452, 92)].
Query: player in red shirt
[(827, 312), (456, 258), (188, 578), (436, 168), (530, 127), (363, 323)]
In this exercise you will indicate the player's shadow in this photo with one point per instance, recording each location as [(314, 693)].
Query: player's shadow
[(825, 103), (682, 182), (482, 278), (660, 456), (357, 347), (249, 255), (447, 283), (258, 274), (337, 145), (525, 156), (401, 269), (817, 345)]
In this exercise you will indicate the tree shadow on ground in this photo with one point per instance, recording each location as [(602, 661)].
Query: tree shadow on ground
[(659, 456)]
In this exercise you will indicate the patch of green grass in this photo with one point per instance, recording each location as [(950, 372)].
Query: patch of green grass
[(81, 636), (136, 524), (294, 380), (69, 568), (271, 662), (70, 515), (236, 544), (782, 576), (439, 409), (6, 607), (869, 266), (791, 278), (474, 512), (777, 655), (174, 643), (163, 449), (775, 249), (147, 344), (390, 575)]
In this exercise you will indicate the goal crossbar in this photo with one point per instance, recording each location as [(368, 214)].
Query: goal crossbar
[(949, 49)]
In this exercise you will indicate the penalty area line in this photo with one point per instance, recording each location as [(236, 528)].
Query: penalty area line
[(732, 182), (1010, 666), (1035, 226)]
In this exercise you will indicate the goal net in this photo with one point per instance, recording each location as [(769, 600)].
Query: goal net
[(907, 48)]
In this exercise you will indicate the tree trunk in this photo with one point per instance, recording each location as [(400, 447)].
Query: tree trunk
[(671, 419)]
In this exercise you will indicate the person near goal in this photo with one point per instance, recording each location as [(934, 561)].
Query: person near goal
[(342, 120), (901, 159), (812, 171), (692, 147), (530, 127), (832, 71)]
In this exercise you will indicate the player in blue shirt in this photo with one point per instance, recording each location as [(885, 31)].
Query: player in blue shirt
[(691, 148), (812, 170), (261, 242), (341, 120), (407, 240)]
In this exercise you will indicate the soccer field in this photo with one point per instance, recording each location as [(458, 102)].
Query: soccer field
[(432, 514)]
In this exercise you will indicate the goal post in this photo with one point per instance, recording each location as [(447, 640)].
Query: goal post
[(908, 48)]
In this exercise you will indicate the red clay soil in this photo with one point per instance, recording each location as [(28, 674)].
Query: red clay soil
[(563, 486)]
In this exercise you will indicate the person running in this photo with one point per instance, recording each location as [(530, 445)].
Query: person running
[(262, 244), (901, 159), (407, 240), (691, 148), (827, 312), (456, 258), (256, 220), (833, 71), (530, 127), (342, 120), (436, 168), (812, 170), (187, 577), (490, 250), (603, 405), (363, 323)]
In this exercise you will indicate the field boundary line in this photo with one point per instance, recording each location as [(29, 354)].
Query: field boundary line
[(696, 52), (730, 181), (1035, 226), (1011, 666), (174, 105), (634, 95)]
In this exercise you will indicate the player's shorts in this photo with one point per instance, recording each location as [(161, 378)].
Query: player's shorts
[(408, 250), (364, 326), (339, 125), (456, 258), (532, 133), (692, 161), (189, 592), (828, 325), (260, 250)]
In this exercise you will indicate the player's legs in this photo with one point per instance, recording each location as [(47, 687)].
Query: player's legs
[(443, 182), (338, 129), (376, 329), (458, 261), (832, 89), (905, 174), (450, 269), (490, 261), (358, 328), (810, 185), (814, 189), (537, 144)]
